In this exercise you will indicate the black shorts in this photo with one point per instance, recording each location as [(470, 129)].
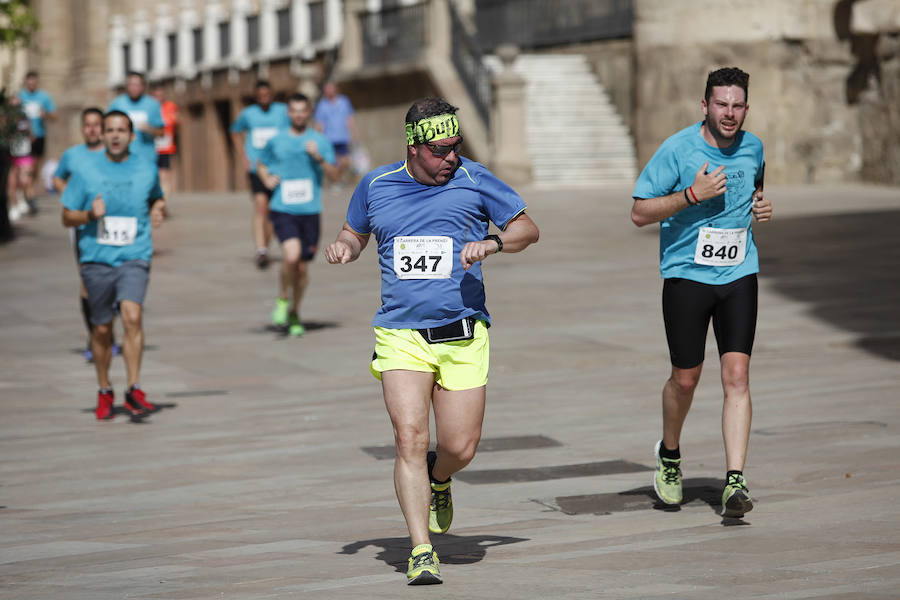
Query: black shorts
[(164, 161), (303, 227), (688, 306), (257, 186), (37, 147), (341, 148)]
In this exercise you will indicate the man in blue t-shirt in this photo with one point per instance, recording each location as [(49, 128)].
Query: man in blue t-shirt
[(74, 157), (703, 185), (334, 118), (38, 107), (113, 200), (292, 165), (251, 131), (145, 115), (430, 216)]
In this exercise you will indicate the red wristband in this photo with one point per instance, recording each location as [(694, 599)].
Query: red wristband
[(691, 190)]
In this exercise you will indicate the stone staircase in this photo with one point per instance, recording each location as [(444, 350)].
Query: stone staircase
[(575, 136)]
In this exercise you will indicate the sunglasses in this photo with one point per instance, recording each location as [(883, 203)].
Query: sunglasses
[(445, 150)]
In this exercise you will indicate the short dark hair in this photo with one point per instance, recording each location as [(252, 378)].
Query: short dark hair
[(298, 97), (136, 74), (118, 113), (727, 76), (429, 107), (262, 83), (91, 110), (30, 74)]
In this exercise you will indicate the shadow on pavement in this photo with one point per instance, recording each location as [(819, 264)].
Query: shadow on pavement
[(451, 549), (845, 267), (701, 489)]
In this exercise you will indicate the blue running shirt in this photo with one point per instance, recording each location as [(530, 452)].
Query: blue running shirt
[(144, 110), (259, 126), (127, 189), (333, 118), (672, 168), (32, 105), (300, 189), (389, 203), (74, 157)]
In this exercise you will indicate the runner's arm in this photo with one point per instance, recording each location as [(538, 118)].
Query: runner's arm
[(76, 218), (520, 233), (237, 140), (59, 184), (269, 180), (346, 247), (653, 210)]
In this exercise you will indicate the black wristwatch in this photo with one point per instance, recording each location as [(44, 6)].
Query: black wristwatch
[(497, 239)]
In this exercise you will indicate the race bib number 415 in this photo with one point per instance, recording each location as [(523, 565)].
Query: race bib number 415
[(423, 257), (116, 231), (721, 247)]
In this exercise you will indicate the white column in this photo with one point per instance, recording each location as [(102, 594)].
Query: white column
[(239, 11), (140, 31), (117, 37), (300, 26), (334, 22), (187, 23), (164, 26), (268, 28), (211, 51)]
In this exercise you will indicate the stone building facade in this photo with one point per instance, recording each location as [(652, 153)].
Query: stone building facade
[(824, 93)]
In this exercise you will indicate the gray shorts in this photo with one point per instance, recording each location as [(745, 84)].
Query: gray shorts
[(107, 286)]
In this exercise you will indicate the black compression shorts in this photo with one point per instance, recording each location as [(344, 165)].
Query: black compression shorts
[(688, 307)]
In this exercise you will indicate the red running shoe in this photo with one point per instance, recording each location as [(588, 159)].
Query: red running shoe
[(104, 410), (136, 401)]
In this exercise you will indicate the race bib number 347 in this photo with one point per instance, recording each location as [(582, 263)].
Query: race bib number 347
[(721, 247), (423, 257)]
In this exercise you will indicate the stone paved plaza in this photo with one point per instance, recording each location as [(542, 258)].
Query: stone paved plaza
[(268, 475)]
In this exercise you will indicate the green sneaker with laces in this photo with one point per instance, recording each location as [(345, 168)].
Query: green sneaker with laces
[(736, 498), (667, 479), (423, 566), (280, 312), (295, 328), (440, 513)]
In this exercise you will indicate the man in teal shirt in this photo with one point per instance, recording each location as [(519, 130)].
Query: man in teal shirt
[(113, 201), (145, 115), (38, 106), (254, 127), (292, 165)]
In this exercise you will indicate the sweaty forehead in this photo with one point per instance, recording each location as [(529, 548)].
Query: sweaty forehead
[(728, 93)]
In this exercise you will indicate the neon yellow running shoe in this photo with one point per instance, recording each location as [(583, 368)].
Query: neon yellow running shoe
[(440, 513), (736, 498), (667, 479), (295, 328), (423, 566), (280, 312)]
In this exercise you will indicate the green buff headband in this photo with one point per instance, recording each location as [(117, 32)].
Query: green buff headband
[(432, 129)]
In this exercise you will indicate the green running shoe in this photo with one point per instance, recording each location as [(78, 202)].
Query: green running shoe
[(295, 328), (280, 312), (736, 498), (667, 479), (423, 566), (440, 513)]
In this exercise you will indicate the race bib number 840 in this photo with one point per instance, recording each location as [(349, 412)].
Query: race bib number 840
[(423, 257), (721, 247)]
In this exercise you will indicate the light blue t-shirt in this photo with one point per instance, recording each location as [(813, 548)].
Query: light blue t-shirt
[(75, 156), (127, 188), (389, 203), (672, 168), (300, 189), (32, 104), (259, 126), (144, 110), (333, 117)]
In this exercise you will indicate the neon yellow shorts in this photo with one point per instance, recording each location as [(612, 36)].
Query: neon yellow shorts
[(461, 365)]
